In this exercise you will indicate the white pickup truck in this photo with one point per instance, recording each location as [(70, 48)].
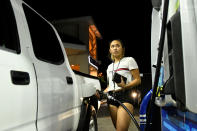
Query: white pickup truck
[(38, 89)]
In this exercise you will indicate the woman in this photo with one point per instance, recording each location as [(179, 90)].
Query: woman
[(127, 67)]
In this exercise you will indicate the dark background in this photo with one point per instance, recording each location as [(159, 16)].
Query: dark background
[(129, 21)]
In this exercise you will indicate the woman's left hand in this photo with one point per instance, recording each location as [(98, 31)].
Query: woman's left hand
[(122, 83)]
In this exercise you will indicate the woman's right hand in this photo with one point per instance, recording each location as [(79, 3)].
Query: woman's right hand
[(106, 89)]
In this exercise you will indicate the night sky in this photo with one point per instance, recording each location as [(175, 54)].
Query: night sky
[(125, 20)]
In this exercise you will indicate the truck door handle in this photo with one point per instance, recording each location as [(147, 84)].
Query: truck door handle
[(69, 80), (20, 78)]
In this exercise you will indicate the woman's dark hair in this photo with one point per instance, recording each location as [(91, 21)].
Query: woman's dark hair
[(123, 47)]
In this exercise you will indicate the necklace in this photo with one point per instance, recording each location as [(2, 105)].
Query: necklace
[(116, 68)]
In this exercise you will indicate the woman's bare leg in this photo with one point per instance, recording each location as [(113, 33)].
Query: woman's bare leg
[(123, 118), (113, 112)]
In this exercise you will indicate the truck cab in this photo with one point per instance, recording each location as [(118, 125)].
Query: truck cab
[(39, 90)]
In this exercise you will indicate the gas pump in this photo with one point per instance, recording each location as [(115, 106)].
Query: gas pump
[(173, 42)]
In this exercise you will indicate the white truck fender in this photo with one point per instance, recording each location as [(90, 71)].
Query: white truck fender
[(88, 89)]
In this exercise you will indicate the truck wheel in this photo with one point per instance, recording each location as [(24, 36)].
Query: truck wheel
[(91, 120)]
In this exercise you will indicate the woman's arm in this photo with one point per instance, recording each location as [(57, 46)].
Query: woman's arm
[(136, 80)]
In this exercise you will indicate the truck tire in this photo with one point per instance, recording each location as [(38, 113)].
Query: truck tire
[(91, 120)]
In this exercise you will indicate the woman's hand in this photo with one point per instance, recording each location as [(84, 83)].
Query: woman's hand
[(106, 90), (136, 80), (122, 83)]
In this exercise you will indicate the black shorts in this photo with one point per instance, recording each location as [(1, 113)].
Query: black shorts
[(123, 96)]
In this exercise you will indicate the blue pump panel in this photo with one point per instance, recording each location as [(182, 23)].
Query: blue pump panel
[(176, 120)]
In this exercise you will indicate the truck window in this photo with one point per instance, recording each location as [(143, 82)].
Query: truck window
[(45, 43), (9, 39)]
